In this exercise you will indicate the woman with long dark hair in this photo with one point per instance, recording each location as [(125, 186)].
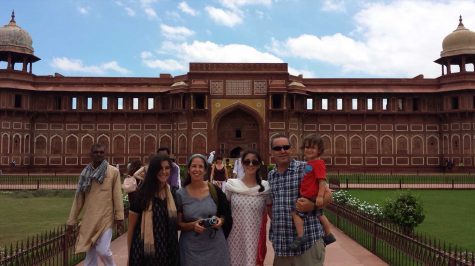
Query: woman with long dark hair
[(202, 212), (152, 237), (249, 197)]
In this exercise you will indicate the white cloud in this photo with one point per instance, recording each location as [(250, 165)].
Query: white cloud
[(401, 38), (197, 51), (129, 11), (306, 73), (83, 10), (176, 32), (333, 6), (207, 51), (185, 8), (150, 13), (77, 66), (229, 18), (238, 3)]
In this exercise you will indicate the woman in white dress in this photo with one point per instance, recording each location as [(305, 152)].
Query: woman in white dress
[(249, 198)]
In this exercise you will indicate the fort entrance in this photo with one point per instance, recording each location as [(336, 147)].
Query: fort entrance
[(237, 130)]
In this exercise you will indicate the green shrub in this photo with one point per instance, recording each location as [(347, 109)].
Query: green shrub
[(405, 211)]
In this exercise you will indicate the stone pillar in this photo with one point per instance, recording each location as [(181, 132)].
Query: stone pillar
[(25, 64), (462, 65), (9, 64)]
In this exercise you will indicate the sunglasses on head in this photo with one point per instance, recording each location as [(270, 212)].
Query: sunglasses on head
[(279, 148), (248, 162)]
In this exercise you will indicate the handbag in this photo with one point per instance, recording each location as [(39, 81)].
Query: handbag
[(130, 184)]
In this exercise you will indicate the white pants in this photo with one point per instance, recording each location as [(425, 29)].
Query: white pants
[(101, 249)]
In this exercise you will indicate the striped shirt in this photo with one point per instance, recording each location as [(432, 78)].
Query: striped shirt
[(285, 192)]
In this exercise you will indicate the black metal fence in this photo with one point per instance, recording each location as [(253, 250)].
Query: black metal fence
[(391, 245), (55, 247), (30, 182), (401, 181)]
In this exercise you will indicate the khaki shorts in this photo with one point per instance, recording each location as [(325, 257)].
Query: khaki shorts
[(314, 256)]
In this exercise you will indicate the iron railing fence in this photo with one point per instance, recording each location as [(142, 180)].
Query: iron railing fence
[(401, 181), (54, 247), (393, 246)]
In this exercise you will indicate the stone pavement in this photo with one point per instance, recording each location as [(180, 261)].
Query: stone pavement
[(343, 252)]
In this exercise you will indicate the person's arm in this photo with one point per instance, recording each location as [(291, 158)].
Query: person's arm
[(178, 175), (133, 220), (322, 184), (225, 173), (118, 201), (211, 178), (140, 174), (76, 208), (189, 226)]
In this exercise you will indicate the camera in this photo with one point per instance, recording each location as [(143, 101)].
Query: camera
[(209, 222)]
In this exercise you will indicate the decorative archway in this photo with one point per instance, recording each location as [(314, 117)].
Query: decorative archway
[(237, 127)]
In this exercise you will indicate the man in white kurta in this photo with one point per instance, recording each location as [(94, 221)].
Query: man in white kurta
[(101, 202)]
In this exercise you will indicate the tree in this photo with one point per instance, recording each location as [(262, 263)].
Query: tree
[(405, 211)]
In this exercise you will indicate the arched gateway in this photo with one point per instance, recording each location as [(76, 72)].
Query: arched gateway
[(237, 128)]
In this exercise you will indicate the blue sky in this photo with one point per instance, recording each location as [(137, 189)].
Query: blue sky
[(325, 39)]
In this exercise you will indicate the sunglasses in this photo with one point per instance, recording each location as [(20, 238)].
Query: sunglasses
[(279, 148), (248, 162)]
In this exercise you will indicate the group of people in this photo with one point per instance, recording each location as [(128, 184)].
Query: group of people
[(208, 223)]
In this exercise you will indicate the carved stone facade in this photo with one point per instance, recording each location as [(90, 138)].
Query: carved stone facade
[(48, 123)]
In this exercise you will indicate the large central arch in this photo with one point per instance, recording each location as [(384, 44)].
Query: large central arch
[(238, 128)]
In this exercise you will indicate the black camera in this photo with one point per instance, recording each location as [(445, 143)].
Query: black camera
[(209, 222)]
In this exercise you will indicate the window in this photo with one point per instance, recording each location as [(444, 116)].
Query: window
[(415, 104), (74, 103), (57, 102), (199, 101), (385, 103), (183, 102), (17, 101), (455, 103), (369, 104), (324, 104), (354, 104), (400, 104), (120, 103), (238, 133), (89, 103), (135, 103), (276, 101), (339, 104), (104, 103), (150, 103), (309, 104)]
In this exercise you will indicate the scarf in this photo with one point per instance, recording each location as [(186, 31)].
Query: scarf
[(89, 173), (146, 227), (237, 186)]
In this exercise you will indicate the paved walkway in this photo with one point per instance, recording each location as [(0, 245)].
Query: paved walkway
[(343, 252)]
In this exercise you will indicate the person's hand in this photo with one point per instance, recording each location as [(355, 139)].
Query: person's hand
[(69, 228), (304, 205), (219, 224), (120, 226), (319, 202), (198, 228)]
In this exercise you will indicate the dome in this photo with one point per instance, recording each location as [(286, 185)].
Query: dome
[(15, 39), (460, 41)]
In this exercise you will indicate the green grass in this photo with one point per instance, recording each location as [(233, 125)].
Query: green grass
[(449, 215), (27, 213)]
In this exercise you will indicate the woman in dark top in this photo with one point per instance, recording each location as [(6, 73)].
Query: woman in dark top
[(152, 237), (218, 172)]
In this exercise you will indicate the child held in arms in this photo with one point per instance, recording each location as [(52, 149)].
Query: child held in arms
[(313, 187)]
